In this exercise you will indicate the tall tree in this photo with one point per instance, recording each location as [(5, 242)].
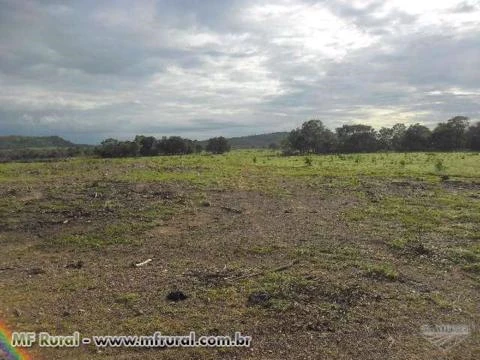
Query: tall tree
[(312, 137), (397, 136), (451, 135), (385, 136), (473, 137), (416, 138), (218, 145), (357, 138), (147, 145), (176, 145)]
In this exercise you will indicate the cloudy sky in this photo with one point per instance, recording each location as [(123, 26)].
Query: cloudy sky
[(87, 70)]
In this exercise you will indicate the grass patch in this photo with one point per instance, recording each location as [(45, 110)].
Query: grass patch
[(127, 299), (111, 234), (382, 272), (465, 255), (473, 268)]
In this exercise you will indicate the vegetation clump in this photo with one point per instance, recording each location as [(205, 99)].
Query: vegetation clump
[(218, 145), (314, 137)]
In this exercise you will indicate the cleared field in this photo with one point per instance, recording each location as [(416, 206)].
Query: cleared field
[(338, 256)]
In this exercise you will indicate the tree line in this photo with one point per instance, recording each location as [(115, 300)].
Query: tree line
[(150, 146), (41, 154), (312, 137), (452, 135)]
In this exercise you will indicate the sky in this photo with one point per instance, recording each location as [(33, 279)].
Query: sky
[(89, 70)]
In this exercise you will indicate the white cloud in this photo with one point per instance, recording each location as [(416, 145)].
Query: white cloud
[(234, 67), (311, 30)]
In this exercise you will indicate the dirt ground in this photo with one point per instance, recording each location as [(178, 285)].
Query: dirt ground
[(304, 272)]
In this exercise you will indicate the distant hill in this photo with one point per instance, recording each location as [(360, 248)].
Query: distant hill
[(242, 142), (255, 141), (22, 142)]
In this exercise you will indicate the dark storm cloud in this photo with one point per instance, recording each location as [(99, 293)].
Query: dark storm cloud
[(90, 70)]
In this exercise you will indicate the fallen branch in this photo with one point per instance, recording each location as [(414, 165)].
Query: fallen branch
[(143, 263), (7, 268)]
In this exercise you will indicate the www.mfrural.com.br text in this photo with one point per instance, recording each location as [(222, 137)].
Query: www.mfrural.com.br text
[(45, 339)]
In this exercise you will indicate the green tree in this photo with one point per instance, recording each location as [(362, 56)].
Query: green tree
[(218, 145), (397, 136), (473, 137), (385, 136), (416, 138), (198, 147), (451, 135), (107, 148), (312, 137), (147, 145), (114, 148), (391, 138), (357, 138), (175, 145)]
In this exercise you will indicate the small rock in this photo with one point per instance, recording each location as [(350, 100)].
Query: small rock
[(36, 271), (75, 265), (258, 298), (176, 296), (17, 312), (213, 331)]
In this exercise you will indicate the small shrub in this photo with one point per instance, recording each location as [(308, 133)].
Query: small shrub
[(127, 299), (474, 268), (439, 166), (382, 271), (308, 161), (399, 244)]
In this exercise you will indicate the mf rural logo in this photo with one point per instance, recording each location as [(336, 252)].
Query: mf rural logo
[(445, 336)]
